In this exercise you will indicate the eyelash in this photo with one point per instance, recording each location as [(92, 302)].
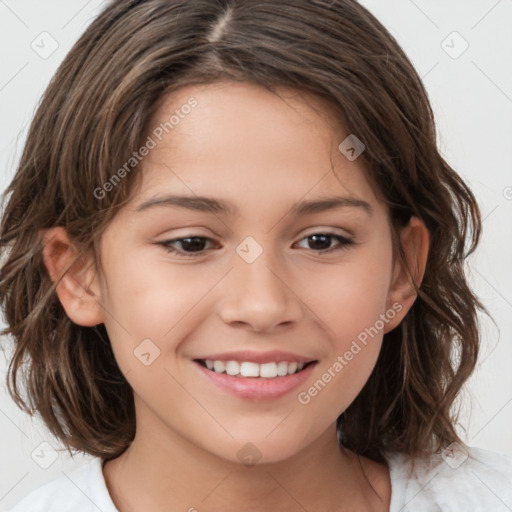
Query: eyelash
[(344, 243)]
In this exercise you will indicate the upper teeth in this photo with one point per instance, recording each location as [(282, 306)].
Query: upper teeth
[(250, 369)]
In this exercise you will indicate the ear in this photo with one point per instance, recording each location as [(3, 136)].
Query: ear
[(77, 287), (415, 240)]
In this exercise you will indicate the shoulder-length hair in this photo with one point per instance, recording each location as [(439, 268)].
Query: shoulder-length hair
[(95, 113)]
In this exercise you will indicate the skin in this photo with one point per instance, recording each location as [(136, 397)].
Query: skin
[(262, 152)]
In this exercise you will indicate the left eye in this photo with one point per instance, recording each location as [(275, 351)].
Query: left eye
[(321, 242), (195, 245)]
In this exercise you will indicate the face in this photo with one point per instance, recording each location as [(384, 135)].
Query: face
[(270, 266)]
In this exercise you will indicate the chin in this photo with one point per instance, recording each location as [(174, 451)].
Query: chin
[(259, 450)]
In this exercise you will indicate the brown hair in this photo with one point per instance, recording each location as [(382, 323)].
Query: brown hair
[(96, 112)]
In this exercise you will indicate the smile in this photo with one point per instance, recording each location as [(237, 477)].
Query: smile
[(251, 369), (253, 381)]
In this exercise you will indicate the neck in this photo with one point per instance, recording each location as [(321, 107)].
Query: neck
[(161, 470)]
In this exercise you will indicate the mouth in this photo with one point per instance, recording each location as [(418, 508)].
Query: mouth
[(255, 382), (252, 370)]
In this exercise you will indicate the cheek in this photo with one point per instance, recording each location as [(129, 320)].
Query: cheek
[(352, 308), (153, 300), (150, 293), (350, 297)]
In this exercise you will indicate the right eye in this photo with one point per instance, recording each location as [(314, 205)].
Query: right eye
[(190, 245)]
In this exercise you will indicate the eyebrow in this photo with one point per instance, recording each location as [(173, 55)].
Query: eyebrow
[(211, 205)]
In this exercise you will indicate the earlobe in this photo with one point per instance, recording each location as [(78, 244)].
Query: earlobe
[(77, 286), (415, 240)]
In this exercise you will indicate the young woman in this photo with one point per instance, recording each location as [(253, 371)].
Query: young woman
[(234, 269)]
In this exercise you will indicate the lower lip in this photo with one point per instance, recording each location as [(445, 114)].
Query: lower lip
[(257, 388)]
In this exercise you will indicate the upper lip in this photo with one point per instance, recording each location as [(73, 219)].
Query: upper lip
[(271, 356)]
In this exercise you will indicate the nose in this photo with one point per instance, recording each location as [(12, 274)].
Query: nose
[(259, 296)]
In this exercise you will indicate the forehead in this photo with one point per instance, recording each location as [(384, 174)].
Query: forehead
[(243, 142)]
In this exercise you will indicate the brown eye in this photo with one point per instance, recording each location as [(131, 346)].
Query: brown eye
[(322, 242), (190, 245)]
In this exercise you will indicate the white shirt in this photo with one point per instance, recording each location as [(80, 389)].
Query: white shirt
[(474, 481)]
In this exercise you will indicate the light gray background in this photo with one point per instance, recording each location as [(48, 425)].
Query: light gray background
[(472, 99)]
